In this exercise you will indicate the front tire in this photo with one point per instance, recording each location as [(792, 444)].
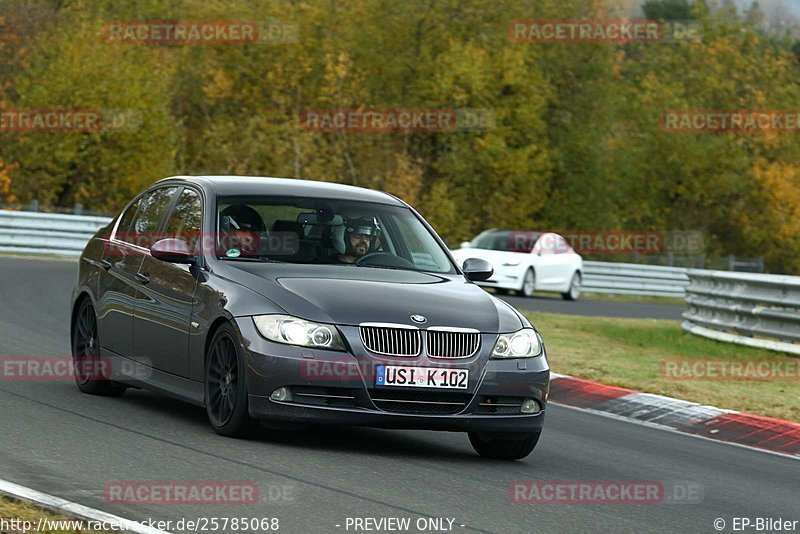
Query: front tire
[(91, 374), (504, 446), (528, 284), (226, 387), (574, 288)]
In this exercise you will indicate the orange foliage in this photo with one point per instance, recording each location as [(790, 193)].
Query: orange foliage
[(5, 182), (780, 184)]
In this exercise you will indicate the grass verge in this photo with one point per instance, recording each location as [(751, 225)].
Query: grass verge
[(629, 352), (631, 298), (13, 513)]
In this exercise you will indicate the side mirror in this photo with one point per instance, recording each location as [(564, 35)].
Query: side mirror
[(477, 270), (465, 244), (172, 251)]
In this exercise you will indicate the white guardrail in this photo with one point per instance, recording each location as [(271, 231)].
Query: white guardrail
[(28, 232), (758, 310), (634, 279)]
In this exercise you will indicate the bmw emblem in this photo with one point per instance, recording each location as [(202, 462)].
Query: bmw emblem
[(419, 318)]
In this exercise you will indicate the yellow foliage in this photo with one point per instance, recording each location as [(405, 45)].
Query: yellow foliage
[(405, 180), (220, 86), (5, 182), (779, 184)]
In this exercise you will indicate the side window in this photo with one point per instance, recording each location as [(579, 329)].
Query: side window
[(124, 226), (549, 244), (561, 245), (185, 221), (151, 210)]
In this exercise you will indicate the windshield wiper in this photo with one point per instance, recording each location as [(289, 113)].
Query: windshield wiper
[(259, 259)]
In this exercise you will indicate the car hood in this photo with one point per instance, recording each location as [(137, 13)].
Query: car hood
[(348, 295)]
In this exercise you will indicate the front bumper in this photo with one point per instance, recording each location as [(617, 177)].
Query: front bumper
[(506, 277), (338, 388)]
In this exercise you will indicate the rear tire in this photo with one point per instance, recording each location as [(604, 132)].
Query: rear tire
[(574, 288), (91, 373), (528, 284), (226, 386), (504, 446)]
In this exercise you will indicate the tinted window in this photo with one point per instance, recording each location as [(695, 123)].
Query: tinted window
[(185, 220), (421, 246), (151, 209), (125, 221), (329, 231)]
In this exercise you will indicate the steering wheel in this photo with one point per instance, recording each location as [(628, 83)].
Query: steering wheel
[(393, 261)]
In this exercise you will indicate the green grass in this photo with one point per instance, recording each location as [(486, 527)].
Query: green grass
[(610, 298), (28, 256), (10, 509), (631, 298), (628, 352)]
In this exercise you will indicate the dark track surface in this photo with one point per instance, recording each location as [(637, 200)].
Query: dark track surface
[(59, 441)]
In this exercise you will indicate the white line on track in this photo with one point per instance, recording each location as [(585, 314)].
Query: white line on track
[(670, 429), (71, 509)]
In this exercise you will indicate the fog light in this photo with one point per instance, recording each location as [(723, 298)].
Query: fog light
[(282, 395), (530, 406)]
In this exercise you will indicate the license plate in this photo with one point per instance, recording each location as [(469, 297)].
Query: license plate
[(421, 377)]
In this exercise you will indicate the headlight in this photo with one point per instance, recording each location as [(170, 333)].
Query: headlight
[(294, 331), (520, 344)]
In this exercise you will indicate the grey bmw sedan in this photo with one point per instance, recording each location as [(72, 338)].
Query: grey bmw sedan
[(274, 301)]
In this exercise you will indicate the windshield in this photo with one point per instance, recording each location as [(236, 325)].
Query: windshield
[(507, 241), (325, 231)]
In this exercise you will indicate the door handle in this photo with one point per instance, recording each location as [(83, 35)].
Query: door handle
[(105, 264), (143, 277)]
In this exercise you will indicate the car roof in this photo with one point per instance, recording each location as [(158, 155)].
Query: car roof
[(267, 185), (528, 232)]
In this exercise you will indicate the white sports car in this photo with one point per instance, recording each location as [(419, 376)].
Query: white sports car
[(527, 261)]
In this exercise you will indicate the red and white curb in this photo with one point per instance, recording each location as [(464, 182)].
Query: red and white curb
[(774, 435), (72, 510)]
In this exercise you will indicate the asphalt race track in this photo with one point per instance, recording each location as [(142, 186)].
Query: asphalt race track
[(56, 440)]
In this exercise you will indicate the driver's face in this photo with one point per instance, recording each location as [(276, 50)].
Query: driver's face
[(245, 241), (359, 243)]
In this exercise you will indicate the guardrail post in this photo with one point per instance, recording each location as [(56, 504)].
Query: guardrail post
[(34, 205), (78, 208)]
